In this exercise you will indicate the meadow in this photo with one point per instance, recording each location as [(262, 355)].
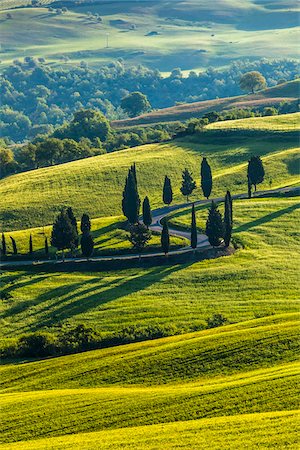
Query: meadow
[(94, 185), (186, 32)]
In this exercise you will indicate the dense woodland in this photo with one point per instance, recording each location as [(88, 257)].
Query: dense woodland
[(36, 97)]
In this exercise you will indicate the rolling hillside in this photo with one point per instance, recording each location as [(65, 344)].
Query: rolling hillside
[(33, 198), (268, 97)]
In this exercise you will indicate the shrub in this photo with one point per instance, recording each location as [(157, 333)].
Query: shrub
[(216, 320)]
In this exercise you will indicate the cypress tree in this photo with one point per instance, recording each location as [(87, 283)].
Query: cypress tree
[(188, 184), (74, 224), (14, 245), (249, 187), (87, 244), (167, 191), (194, 236), (256, 171), (206, 178), (63, 234), (165, 238), (214, 226), (147, 216), (131, 200), (46, 246), (4, 251), (85, 225), (133, 170), (30, 245), (228, 219)]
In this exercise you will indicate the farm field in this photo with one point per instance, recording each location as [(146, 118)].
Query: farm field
[(151, 33), (30, 198)]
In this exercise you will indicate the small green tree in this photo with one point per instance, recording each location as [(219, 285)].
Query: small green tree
[(139, 236), (228, 219), (256, 171), (63, 234), (252, 81), (46, 246), (167, 191), (214, 226), (4, 251), (194, 235), (87, 244), (30, 245), (131, 200), (85, 225), (147, 216), (217, 320), (135, 104), (206, 178), (165, 238), (14, 245), (188, 184)]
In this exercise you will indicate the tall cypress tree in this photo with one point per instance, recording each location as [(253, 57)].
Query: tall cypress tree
[(214, 226), (206, 178), (14, 245), (74, 224), (30, 245), (125, 196), (63, 234), (46, 246), (256, 171), (87, 244), (147, 216), (194, 236), (165, 238), (85, 224), (249, 187), (4, 251), (131, 201), (228, 219), (133, 170), (167, 191), (188, 184)]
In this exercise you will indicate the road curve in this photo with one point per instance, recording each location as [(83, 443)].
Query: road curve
[(158, 215)]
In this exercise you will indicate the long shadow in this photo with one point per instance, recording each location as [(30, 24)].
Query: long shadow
[(107, 229), (266, 218), (91, 298)]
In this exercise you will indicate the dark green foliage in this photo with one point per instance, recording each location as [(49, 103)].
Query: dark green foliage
[(228, 219), (206, 178), (256, 171), (86, 123), (249, 187), (30, 245), (87, 244), (214, 226), (3, 245), (63, 234), (252, 81), (139, 236), (147, 216), (188, 184), (216, 320), (194, 236), (46, 246), (36, 345), (74, 224), (165, 238), (14, 245), (85, 225), (133, 170), (167, 191), (135, 104), (131, 200)]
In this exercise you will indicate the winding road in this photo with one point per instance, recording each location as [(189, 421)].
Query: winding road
[(158, 215)]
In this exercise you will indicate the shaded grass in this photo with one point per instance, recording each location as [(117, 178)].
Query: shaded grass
[(270, 430)]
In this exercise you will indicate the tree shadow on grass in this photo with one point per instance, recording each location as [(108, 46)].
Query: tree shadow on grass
[(267, 218), (76, 302)]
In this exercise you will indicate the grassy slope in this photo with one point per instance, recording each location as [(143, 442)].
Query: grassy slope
[(286, 122), (270, 430), (113, 300), (190, 34), (31, 199), (268, 97)]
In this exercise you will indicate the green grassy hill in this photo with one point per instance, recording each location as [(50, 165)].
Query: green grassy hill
[(272, 430), (94, 185), (268, 97), (189, 34)]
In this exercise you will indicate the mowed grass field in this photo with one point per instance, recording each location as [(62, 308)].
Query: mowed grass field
[(285, 122), (189, 34), (94, 185)]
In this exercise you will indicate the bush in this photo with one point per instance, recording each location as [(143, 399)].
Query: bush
[(36, 345), (216, 320)]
